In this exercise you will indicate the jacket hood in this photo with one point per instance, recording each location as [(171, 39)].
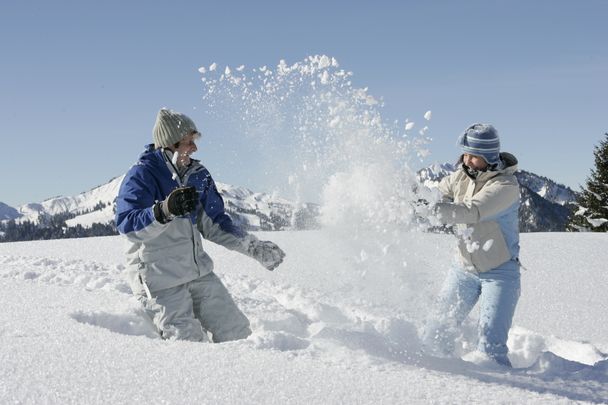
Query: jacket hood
[(508, 166), (150, 155), (510, 162)]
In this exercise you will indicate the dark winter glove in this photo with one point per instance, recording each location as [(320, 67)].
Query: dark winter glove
[(180, 202), (267, 253), (422, 208)]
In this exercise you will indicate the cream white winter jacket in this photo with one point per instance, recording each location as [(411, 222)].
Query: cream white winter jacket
[(485, 212)]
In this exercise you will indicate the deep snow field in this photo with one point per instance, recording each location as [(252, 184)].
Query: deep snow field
[(336, 323)]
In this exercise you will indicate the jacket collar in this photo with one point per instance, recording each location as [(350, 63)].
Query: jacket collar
[(509, 167), (161, 161)]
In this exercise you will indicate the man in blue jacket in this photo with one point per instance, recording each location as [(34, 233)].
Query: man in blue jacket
[(166, 202)]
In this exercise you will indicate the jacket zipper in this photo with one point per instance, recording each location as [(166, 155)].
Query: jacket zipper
[(184, 180)]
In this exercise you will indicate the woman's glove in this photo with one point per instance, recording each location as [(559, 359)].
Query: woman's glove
[(180, 202), (267, 253)]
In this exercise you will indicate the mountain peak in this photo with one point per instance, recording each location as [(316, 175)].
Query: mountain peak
[(7, 212)]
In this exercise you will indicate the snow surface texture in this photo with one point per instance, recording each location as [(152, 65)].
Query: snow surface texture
[(329, 326)]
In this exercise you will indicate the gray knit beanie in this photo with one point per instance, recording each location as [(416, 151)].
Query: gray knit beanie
[(171, 127)]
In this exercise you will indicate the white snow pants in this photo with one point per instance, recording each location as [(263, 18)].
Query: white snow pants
[(188, 311)]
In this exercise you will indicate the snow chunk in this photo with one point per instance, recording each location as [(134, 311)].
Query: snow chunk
[(213, 67), (581, 211), (488, 245), (324, 62), (428, 115), (597, 222), (409, 125), (325, 77)]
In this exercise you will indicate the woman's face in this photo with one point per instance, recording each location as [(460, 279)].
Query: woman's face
[(474, 162)]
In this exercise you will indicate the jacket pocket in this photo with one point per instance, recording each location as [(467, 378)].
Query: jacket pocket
[(491, 248), (169, 267)]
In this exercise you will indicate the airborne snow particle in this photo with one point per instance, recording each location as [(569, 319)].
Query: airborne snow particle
[(488, 245)]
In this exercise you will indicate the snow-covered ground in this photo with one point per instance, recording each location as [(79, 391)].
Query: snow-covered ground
[(336, 323)]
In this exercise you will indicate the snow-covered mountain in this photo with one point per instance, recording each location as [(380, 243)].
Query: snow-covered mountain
[(546, 188), (256, 211), (7, 212), (93, 206), (545, 204)]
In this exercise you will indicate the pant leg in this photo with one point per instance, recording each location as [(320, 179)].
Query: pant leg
[(172, 313), (217, 311), (456, 299), (500, 290)]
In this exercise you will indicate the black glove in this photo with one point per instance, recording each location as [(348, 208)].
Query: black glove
[(422, 208), (180, 202)]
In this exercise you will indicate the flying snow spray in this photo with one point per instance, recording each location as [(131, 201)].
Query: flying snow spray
[(314, 137)]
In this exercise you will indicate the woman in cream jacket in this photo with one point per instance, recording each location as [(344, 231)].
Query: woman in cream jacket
[(481, 199)]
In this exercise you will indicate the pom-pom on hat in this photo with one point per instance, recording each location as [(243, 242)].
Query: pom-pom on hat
[(481, 140), (171, 127)]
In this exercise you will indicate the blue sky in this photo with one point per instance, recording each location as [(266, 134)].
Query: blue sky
[(81, 81)]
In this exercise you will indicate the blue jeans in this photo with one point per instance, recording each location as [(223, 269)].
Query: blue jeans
[(496, 290)]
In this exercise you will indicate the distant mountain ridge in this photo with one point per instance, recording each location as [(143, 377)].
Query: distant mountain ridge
[(7, 212), (545, 204), (254, 211)]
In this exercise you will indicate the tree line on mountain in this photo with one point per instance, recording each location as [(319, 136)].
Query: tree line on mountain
[(54, 227)]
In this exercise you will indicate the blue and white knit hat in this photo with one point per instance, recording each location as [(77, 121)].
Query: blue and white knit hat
[(481, 140)]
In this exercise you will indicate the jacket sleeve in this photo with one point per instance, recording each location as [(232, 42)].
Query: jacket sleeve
[(134, 215), (491, 200), (215, 225), (446, 186)]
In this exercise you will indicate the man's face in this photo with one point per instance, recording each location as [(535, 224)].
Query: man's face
[(186, 147)]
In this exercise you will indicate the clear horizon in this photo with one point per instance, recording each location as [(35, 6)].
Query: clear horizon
[(82, 82)]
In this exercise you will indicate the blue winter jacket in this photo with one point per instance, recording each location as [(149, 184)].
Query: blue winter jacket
[(166, 255)]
